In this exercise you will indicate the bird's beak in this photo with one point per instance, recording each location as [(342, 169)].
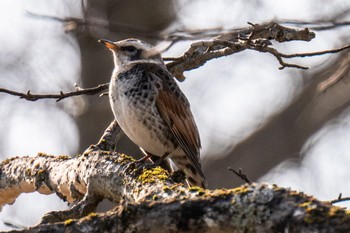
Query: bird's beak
[(109, 44)]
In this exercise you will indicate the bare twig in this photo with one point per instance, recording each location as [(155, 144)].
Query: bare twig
[(108, 140), (340, 199), (62, 95), (255, 37), (240, 174), (201, 52), (283, 64), (74, 24)]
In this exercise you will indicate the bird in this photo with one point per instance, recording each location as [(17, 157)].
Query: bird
[(151, 109)]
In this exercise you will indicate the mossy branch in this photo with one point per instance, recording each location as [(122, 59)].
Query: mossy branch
[(149, 200)]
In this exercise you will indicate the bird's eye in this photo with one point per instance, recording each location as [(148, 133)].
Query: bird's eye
[(129, 49)]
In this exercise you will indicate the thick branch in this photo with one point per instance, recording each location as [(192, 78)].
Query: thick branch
[(153, 202)]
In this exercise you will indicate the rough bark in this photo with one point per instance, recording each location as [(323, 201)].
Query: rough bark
[(149, 199)]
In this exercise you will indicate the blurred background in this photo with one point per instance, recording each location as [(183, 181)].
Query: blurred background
[(277, 125)]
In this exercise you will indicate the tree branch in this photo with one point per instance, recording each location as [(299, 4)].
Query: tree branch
[(108, 140), (153, 202), (79, 91), (340, 199), (256, 37)]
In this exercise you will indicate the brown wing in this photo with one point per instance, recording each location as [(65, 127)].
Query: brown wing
[(174, 108)]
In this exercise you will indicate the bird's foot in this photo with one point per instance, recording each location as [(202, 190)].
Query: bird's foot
[(138, 165)]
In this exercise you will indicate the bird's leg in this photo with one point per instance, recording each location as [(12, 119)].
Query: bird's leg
[(162, 162), (161, 159), (144, 158), (138, 163), (157, 161)]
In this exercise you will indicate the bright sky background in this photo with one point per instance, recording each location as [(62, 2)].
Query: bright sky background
[(234, 98)]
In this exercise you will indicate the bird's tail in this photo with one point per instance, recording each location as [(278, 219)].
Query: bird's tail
[(194, 176)]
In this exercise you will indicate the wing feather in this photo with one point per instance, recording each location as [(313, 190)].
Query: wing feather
[(174, 108)]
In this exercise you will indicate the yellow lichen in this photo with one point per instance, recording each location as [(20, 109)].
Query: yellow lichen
[(151, 175), (305, 204), (334, 211), (197, 189), (123, 158), (241, 190), (314, 213), (92, 215), (68, 222)]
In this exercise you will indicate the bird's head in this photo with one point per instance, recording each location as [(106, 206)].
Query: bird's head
[(130, 50)]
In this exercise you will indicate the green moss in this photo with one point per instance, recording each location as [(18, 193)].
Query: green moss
[(151, 175)]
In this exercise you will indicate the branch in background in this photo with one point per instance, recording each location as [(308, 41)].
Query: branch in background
[(333, 21), (79, 91), (317, 25), (201, 52), (222, 43), (279, 56), (321, 24), (154, 202), (71, 24)]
